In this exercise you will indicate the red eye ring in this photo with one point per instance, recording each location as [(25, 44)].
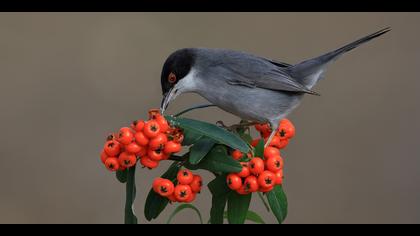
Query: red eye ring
[(172, 78)]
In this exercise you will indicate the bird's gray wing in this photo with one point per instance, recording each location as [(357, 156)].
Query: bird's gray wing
[(262, 74), (278, 63)]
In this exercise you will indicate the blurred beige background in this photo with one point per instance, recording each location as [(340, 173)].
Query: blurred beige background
[(68, 79)]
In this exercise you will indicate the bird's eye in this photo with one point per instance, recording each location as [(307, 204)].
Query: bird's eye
[(172, 78)]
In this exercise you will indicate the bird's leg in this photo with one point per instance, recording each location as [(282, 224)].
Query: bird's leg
[(270, 138), (221, 124), (273, 132)]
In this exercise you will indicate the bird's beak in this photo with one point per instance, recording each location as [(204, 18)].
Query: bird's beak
[(167, 98)]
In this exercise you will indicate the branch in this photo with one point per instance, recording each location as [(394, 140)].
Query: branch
[(194, 108)]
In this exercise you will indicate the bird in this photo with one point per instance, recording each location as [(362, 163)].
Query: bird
[(251, 87)]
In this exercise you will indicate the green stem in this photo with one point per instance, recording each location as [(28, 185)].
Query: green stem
[(129, 217), (264, 202), (194, 108)]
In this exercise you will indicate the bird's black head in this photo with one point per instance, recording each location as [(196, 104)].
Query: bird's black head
[(176, 67)]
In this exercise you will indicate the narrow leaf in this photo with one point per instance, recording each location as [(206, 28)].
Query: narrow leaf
[(254, 217), (219, 191), (121, 176), (251, 216), (278, 203), (259, 149), (211, 131), (218, 186), (129, 216), (190, 137), (155, 203), (238, 206), (246, 137), (183, 207), (200, 150), (217, 161), (218, 205)]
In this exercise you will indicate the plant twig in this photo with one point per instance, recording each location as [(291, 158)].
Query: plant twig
[(194, 108), (264, 202)]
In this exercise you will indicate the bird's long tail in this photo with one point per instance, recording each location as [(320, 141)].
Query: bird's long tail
[(309, 72)]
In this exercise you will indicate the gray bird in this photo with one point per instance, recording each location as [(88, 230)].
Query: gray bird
[(253, 88)]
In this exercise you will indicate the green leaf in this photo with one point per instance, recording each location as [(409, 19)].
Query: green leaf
[(251, 216), (219, 191), (211, 131), (238, 206), (129, 216), (218, 205), (122, 176), (254, 217), (155, 203), (218, 186), (183, 207), (278, 203), (246, 137), (259, 149), (190, 137), (200, 150), (217, 161)]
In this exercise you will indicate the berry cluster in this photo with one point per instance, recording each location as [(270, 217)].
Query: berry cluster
[(262, 174), (148, 141), (185, 190)]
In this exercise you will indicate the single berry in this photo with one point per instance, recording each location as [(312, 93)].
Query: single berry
[(127, 160), (191, 198), (125, 136), (286, 129), (271, 152), (233, 181), (151, 129), (265, 190), (245, 172), (141, 139), (242, 190), (133, 148), (196, 184), (138, 125), (155, 155), (274, 163), (185, 177), (112, 148), (251, 184), (156, 184), (255, 142), (279, 177), (256, 166), (182, 192), (165, 188), (172, 147), (163, 123), (112, 164), (147, 162), (104, 156), (158, 142), (267, 179), (237, 155)]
